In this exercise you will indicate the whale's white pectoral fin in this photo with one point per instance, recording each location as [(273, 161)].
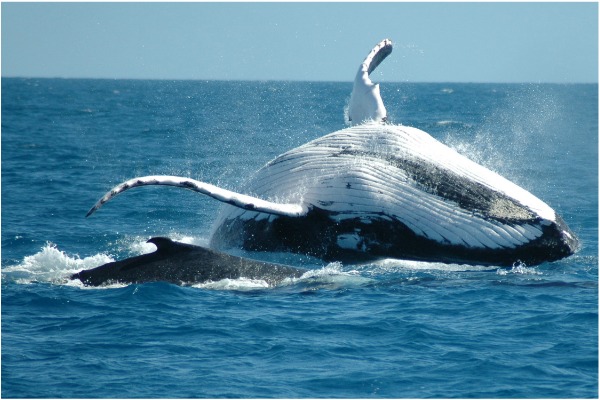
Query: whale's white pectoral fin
[(365, 101), (226, 196)]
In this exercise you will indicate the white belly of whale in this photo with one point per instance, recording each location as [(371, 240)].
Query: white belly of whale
[(388, 171)]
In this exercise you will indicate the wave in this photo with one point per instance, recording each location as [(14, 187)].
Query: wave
[(395, 265), (51, 265), (454, 124)]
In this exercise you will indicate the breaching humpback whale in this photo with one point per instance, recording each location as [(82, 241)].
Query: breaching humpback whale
[(378, 190), (182, 263)]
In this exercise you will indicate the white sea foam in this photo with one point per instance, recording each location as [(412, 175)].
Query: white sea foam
[(331, 269), (447, 122), (519, 269), (332, 275), (240, 284), (52, 265), (395, 265)]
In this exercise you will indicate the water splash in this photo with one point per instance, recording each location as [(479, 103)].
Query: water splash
[(51, 265), (240, 284), (510, 133), (391, 265), (519, 268)]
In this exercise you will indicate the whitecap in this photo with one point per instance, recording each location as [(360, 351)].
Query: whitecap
[(240, 284), (397, 265), (51, 265), (446, 122), (519, 269), (331, 276)]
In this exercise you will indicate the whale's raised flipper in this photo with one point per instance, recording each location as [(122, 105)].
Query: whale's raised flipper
[(365, 102), (226, 196), (377, 55)]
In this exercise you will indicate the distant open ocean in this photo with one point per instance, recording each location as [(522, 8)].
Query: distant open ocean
[(388, 329)]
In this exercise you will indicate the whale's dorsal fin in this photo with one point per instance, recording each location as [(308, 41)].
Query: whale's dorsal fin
[(163, 243), (365, 102), (226, 196)]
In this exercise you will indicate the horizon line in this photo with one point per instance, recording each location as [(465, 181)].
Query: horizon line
[(297, 80)]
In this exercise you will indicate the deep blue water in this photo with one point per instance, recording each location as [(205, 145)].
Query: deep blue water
[(388, 329)]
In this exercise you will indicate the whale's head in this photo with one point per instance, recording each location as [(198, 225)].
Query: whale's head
[(366, 104)]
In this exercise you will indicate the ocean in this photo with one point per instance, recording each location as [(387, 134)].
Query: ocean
[(391, 328)]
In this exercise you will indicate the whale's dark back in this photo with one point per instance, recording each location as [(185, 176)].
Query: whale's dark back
[(181, 263)]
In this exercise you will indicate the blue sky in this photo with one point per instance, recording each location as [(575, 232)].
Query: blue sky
[(434, 42)]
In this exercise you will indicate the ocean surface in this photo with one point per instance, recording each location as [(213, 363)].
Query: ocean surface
[(387, 329)]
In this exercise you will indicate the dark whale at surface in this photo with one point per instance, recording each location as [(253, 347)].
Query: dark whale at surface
[(181, 263)]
